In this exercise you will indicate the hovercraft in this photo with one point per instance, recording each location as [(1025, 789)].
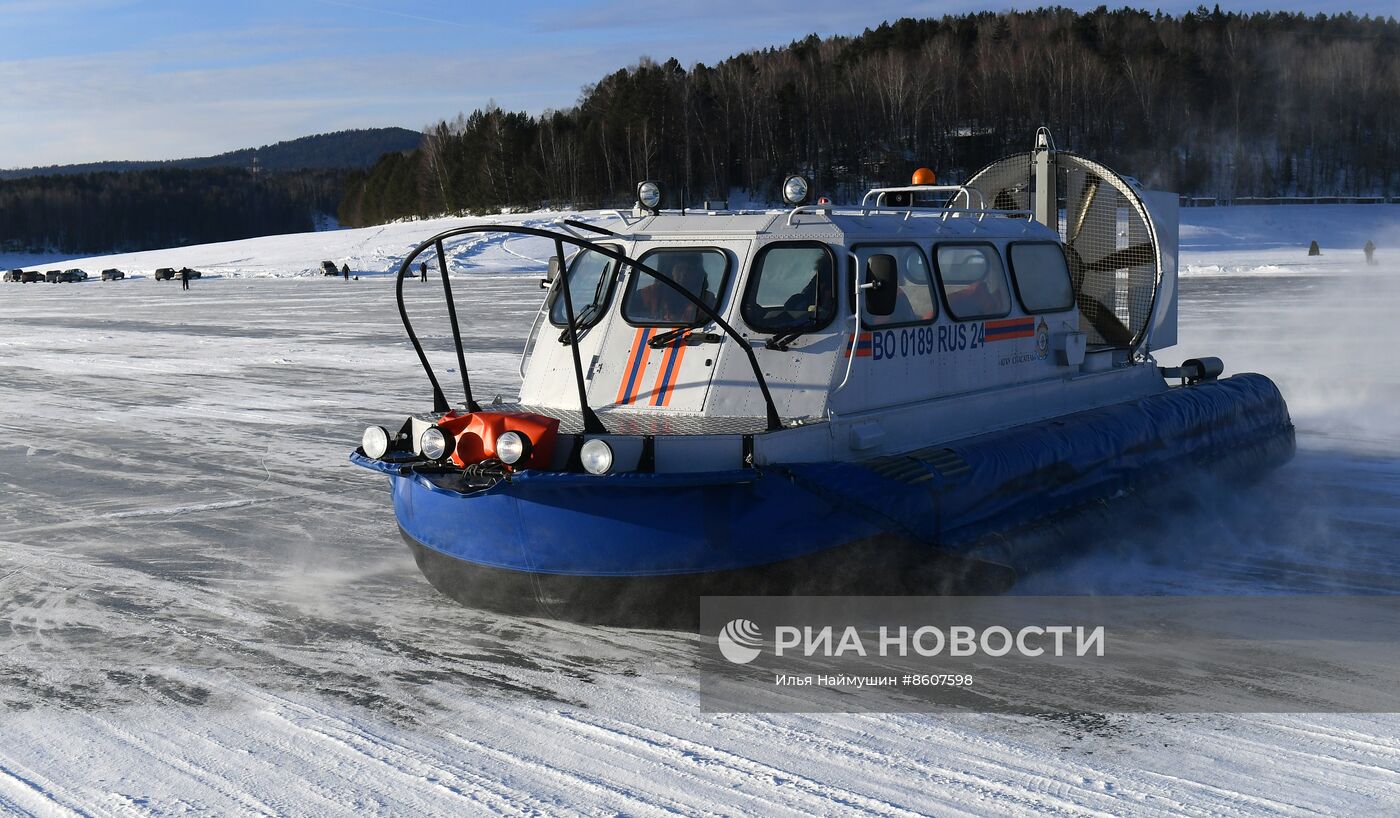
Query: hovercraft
[(818, 399)]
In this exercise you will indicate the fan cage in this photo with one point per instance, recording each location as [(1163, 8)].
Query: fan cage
[(1109, 241)]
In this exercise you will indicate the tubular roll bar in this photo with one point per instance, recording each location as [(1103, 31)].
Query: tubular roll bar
[(591, 423), (957, 190)]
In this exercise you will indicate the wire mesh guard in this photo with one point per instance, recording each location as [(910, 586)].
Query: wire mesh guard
[(1108, 236)]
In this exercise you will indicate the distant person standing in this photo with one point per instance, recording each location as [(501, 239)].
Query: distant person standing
[(1370, 250), (423, 271), (184, 278), (345, 271)]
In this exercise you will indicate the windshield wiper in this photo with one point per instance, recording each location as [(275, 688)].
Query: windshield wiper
[(782, 342), (570, 333), (690, 338)]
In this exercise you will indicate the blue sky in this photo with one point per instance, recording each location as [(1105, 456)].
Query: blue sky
[(87, 80)]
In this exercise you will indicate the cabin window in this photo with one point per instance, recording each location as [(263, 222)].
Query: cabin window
[(792, 289), (974, 283), (590, 286), (652, 303), (913, 301), (1040, 276)]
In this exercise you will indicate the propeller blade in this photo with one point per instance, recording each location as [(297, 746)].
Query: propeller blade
[(1086, 201), (1121, 259), (1104, 321)]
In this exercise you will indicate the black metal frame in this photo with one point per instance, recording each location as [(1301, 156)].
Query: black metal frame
[(592, 425)]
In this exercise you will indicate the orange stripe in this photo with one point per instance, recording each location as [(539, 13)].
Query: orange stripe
[(636, 396), (661, 394), (675, 376), (622, 396)]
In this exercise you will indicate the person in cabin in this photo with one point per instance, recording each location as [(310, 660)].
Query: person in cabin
[(663, 305), (1370, 250)]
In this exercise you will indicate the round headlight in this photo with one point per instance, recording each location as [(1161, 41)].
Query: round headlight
[(597, 457), (375, 442), (649, 194), (435, 444), (795, 190), (512, 447)]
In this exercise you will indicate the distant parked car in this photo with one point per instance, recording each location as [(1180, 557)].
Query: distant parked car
[(31, 276), (14, 276), (71, 276), (52, 276), (193, 274), (328, 268), (112, 274), (165, 274)]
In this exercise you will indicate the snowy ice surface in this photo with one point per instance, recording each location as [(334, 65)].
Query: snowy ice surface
[(204, 609)]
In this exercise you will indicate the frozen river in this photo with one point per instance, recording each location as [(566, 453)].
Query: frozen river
[(204, 608)]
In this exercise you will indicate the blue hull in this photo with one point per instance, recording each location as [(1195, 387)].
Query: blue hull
[(773, 520)]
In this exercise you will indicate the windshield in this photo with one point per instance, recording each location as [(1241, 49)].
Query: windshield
[(652, 303), (590, 285), (792, 289)]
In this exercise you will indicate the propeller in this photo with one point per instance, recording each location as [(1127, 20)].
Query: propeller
[(1101, 197), (1104, 321)]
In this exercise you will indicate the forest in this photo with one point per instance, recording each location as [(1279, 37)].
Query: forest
[(1206, 103), (138, 210), (122, 206), (356, 148)]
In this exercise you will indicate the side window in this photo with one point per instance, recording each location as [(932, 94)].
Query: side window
[(974, 283), (1040, 276), (914, 301), (590, 284), (651, 303), (792, 289)]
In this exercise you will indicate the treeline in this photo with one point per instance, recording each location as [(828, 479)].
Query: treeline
[(340, 150), (1206, 103), (147, 209)]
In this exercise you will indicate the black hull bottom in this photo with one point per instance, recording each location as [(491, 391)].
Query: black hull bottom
[(881, 567)]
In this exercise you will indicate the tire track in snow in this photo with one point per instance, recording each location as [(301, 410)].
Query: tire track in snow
[(574, 779), (416, 766), (200, 774), (733, 765), (33, 793), (999, 785)]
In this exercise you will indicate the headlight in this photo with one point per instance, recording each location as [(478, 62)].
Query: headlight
[(597, 457), (375, 442), (795, 190), (512, 447), (649, 194), (435, 444)]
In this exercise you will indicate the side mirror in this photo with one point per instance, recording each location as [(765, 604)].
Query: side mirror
[(881, 284), (553, 271)]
